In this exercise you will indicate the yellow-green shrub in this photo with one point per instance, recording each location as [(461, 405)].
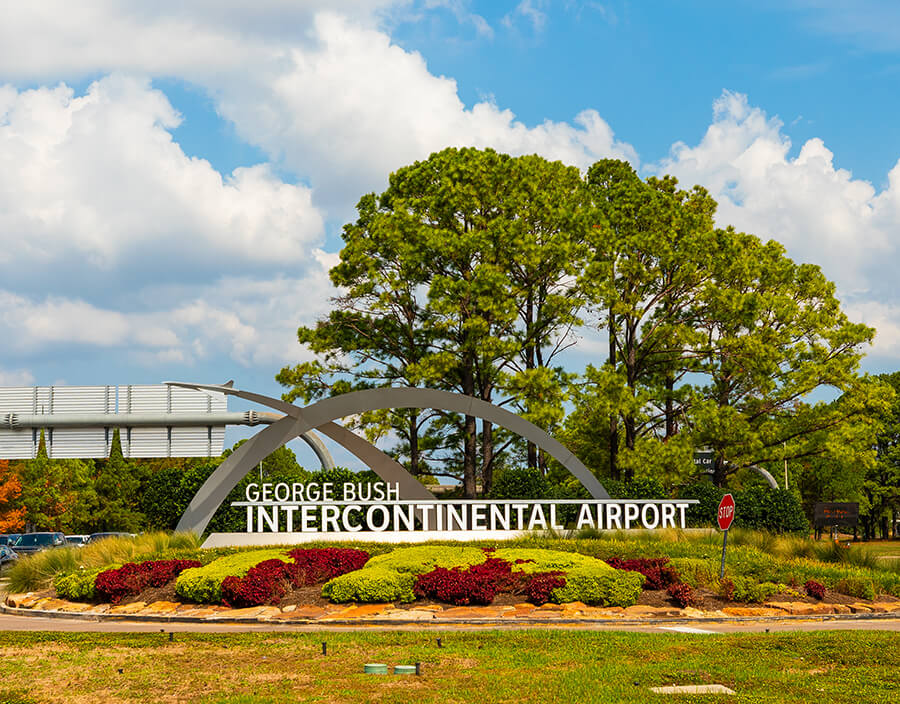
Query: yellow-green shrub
[(204, 584), (78, 585), (371, 585), (600, 587)]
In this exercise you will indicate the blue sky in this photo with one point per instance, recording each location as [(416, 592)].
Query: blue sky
[(174, 175)]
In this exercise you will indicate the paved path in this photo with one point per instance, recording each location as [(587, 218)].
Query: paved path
[(10, 622)]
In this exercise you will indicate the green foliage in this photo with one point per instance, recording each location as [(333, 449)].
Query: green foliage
[(764, 508), (117, 484), (696, 571), (371, 584), (520, 483), (416, 560), (204, 584), (750, 591), (854, 586), (78, 585), (172, 487), (702, 514), (600, 587)]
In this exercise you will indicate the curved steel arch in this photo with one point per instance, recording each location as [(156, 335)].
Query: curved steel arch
[(320, 416)]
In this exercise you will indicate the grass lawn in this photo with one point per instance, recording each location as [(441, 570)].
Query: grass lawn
[(484, 667)]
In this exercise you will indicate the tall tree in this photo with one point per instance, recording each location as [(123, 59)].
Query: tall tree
[(650, 247), (437, 273), (117, 484)]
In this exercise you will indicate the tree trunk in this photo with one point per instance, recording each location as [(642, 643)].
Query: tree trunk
[(614, 418), (414, 454), (671, 427)]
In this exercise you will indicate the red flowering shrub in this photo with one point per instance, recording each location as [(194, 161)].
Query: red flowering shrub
[(270, 580), (540, 586), (265, 583), (681, 594), (658, 573), (132, 578), (815, 589), (314, 565), (477, 584)]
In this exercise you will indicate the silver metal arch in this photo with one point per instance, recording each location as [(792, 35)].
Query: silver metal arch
[(299, 420), (325, 458)]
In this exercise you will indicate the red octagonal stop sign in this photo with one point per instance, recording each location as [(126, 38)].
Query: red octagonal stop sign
[(725, 514)]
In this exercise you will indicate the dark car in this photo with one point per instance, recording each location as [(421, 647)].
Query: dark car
[(7, 555), (9, 538), (35, 542)]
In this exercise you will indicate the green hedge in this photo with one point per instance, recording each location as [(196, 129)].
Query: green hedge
[(79, 586), (599, 587), (425, 558), (204, 584), (371, 585)]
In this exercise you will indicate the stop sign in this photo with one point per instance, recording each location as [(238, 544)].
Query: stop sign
[(725, 514)]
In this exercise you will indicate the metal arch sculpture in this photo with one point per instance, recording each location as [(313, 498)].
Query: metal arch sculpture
[(320, 416)]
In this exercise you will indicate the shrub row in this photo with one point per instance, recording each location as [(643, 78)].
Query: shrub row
[(268, 581), (204, 584), (656, 570), (133, 577)]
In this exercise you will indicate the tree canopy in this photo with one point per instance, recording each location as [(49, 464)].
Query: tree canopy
[(474, 270)]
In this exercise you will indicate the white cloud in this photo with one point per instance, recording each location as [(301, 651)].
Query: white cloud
[(818, 210), (251, 321), (16, 377), (97, 179), (355, 107)]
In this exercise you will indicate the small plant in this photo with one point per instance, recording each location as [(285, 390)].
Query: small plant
[(681, 594), (726, 589), (815, 589)]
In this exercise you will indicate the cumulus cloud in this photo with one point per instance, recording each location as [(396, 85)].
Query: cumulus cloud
[(251, 321), (355, 107), (97, 179), (819, 211), (16, 377)]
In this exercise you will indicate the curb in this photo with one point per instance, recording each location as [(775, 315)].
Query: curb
[(81, 616)]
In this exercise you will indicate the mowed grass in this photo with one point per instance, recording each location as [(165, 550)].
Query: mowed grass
[(483, 667)]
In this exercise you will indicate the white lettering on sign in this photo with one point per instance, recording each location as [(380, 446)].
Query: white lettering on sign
[(353, 507)]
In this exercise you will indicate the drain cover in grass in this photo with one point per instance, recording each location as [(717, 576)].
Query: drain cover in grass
[(694, 689)]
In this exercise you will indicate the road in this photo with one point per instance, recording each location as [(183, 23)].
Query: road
[(38, 623)]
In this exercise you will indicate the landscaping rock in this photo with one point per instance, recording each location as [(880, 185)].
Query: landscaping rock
[(74, 607), (158, 608), (859, 608), (472, 612), (640, 611), (407, 615), (360, 611), (132, 608), (752, 612)]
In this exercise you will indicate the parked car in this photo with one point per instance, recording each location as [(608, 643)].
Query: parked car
[(7, 555), (77, 541), (35, 542), (9, 538), (94, 537)]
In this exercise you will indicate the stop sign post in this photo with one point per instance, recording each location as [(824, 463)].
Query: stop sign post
[(724, 516)]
